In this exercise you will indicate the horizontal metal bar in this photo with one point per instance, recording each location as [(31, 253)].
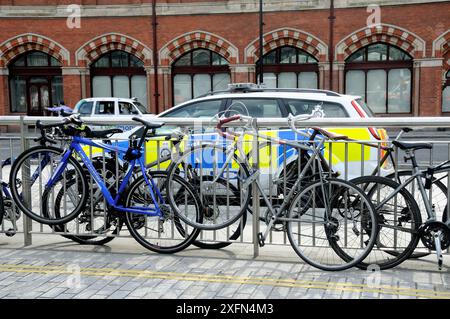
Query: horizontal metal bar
[(261, 122)]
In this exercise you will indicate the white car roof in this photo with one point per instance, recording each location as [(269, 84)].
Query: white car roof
[(108, 99), (319, 95)]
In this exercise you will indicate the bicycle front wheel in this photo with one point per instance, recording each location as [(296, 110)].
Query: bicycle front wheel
[(224, 193), (34, 190), (166, 233), (331, 219)]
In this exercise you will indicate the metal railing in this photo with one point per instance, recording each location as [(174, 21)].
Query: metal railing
[(350, 159)]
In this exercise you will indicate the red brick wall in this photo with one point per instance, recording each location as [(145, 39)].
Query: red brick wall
[(428, 21)]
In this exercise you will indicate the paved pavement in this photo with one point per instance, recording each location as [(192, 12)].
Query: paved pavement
[(57, 268)]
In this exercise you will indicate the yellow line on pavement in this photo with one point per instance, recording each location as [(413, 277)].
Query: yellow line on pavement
[(292, 283)]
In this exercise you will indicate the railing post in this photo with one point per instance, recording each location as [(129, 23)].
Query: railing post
[(26, 191), (255, 193)]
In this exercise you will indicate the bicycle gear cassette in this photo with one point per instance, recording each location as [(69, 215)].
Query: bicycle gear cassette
[(429, 229)]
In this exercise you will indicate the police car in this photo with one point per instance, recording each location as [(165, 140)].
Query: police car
[(350, 160)]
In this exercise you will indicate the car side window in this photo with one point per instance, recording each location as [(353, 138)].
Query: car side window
[(298, 107), (85, 108), (205, 109), (255, 107), (127, 109), (104, 108)]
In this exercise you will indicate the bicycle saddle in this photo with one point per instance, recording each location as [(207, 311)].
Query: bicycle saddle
[(412, 146), (148, 124), (105, 133)]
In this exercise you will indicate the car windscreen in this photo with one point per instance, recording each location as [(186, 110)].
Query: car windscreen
[(141, 107), (365, 107)]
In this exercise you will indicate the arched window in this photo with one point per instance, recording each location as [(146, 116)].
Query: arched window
[(289, 67), (198, 72), (119, 74), (382, 75), (35, 82), (446, 94)]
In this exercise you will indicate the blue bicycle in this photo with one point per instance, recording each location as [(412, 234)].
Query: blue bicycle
[(49, 185)]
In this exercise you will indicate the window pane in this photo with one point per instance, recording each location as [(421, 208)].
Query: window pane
[(57, 89), (218, 59), (287, 80), (104, 108), (446, 99), (202, 84), (396, 54), (54, 62), (135, 62), (377, 52), (182, 88), (221, 81), (139, 88), (37, 59), (85, 108), (304, 57), (399, 93), (101, 86), (201, 109), (127, 109), (184, 60), (358, 56), (119, 59), (298, 107), (201, 57), (270, 80), (103, 62), (376, 90), (257, 107), (121, 85), (288, 55), (270, 58), (307, 80), (18, 87), (20, 61), (355, 83)]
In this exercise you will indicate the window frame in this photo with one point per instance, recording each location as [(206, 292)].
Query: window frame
[(386, 65), (286, 104), (446, 85), (281, 105), (193, 70), (176, 109), (48, 72), (111, 71), (296, 67)]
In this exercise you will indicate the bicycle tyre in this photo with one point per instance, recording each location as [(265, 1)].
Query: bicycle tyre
[(235, 234), (133, 219), (243, 174), (14, 180), (410, 212), (330, 249)]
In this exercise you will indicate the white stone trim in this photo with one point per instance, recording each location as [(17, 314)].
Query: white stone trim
[(64, 52), (419, 43), (4, 71), (74, 70), (430, 62), (439, 42), (80, 54), (321, 47)]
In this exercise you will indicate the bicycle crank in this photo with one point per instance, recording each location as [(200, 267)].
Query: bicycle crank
[(428, 231)]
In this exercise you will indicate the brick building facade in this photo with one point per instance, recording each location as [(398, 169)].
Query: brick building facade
[(401, 65)]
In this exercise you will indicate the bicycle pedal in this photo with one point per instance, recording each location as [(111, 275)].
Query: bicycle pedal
[(261, 240)]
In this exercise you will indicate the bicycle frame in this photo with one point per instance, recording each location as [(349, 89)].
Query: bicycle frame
[(76, 146), (253, 177)]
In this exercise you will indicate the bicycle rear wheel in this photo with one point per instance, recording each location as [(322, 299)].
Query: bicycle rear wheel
[(398, 221), (331, 219), (34, 192), (166, 234), (214, 162)]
